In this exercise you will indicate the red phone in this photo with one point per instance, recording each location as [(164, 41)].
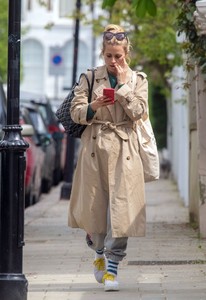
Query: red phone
[(109, 92)]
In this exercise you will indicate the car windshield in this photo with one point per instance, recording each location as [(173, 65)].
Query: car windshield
[(43, 111), (38, 122)]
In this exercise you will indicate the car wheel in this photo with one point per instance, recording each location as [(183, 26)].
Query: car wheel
[(56, 176), (46, 185), (30, 196), (29, 199)]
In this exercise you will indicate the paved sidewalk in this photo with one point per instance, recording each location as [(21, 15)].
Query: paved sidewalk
[(168, 264)]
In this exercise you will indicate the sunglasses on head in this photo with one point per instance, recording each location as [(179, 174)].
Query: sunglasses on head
[(120, 36)]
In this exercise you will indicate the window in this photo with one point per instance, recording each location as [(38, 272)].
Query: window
[(38, 122), (33, 61), (29, 4), (66, 7), (49, 5), (82, 65)]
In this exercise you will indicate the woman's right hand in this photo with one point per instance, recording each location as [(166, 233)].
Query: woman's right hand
[(99, 102)]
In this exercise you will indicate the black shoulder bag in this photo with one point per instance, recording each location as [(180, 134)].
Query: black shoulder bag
[(63, 112)]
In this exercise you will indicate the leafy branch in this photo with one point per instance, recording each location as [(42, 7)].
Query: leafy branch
[(142, 7), (195, 45)]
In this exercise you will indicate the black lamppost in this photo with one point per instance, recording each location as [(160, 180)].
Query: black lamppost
[(69, 165), (13, 284)]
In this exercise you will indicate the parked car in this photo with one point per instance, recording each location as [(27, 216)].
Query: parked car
[(43, 138), (34, 155), (44, 106), (34, 165), (55, 105)]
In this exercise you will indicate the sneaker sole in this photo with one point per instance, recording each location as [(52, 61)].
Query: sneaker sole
[(111, 288)]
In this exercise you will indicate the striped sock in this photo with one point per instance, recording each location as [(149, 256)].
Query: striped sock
[(112, 267), (99, 254)]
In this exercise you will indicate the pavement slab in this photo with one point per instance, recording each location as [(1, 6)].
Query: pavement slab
[(169, 263)]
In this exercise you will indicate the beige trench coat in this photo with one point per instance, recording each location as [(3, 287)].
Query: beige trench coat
[(109, 171)]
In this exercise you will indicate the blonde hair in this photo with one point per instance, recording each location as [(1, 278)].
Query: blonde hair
[(125, 42)]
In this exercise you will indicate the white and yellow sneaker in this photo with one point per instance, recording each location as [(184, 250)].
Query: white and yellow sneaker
[(110, 282), (99, 269)]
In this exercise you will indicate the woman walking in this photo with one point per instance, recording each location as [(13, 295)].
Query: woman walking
[(107, 198)]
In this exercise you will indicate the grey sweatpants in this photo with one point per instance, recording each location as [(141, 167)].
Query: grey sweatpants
[(114, 248)]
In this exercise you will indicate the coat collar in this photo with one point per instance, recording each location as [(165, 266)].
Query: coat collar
[(101, 73)]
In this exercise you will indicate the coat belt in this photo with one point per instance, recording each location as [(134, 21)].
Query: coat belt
[(115, 127)]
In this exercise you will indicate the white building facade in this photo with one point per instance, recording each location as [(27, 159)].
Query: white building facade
[(48, 46), (178, 133)]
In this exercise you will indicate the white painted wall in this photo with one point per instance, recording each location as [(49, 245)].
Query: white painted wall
[(178, 133)]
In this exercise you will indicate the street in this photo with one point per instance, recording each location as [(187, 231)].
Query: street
[(169, 263)]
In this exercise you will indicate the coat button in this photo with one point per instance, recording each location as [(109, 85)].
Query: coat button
[(128, 157), (94, 137), (92, 154)]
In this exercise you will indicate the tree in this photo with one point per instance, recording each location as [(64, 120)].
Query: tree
[(195, 43), (153, 38), (154, 46), (3, 38)]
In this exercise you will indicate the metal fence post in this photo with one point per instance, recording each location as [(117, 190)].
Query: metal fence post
[(13, 284)]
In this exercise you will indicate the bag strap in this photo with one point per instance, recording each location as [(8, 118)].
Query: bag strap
[(90, 84), (134, 83)]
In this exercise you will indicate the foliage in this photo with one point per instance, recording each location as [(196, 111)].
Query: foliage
[(155, 49), (3, 38), (195, 45), (141, 7), (154, 42)]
